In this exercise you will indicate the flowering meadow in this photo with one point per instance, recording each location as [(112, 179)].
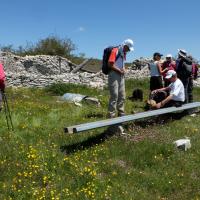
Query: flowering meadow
[(39, 161)]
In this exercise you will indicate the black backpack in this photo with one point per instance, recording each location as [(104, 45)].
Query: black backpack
[(187, 67), (106, 54), (184, 68)]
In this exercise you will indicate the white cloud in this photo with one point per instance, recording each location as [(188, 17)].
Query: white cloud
[(81, 29)]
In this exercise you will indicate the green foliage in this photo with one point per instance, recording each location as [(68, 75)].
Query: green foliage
[(61, 88), (39, 161), (52, 45)]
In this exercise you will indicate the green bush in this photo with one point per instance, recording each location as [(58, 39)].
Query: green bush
[(52, 45), (62, 88)]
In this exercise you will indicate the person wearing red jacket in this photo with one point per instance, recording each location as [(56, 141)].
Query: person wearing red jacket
[(168, 64), (2, 82)]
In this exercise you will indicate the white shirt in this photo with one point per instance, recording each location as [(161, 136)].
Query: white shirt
[(177, 90)]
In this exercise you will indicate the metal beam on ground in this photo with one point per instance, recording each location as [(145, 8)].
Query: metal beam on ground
[(119, 120)]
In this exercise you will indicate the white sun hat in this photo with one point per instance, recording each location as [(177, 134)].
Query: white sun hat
[(129, 43)]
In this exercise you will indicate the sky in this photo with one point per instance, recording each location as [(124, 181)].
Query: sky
[(154, 25)]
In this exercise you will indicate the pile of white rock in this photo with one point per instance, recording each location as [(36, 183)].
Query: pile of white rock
[(43, 70)]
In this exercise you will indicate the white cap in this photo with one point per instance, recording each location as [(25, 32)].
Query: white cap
[(129, 43), (170, 73), (169, 56)]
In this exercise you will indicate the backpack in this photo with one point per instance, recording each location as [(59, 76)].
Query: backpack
[(195, 71), (106, 54), (187, 69), (137, 94), (184, 68)]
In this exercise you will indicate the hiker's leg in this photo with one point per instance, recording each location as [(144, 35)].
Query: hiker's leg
[(185, 84), (121, 95), (190, 88), (113, 88), (1, 100), (155, 82), (173, 103)]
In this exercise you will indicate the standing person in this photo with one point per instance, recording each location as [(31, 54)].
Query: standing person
[(116, 81), (191, 78), (176, 92), (184, 70), (155, 72), (2, 82), (168, 64)]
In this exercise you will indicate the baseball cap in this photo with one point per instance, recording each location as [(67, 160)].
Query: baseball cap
[(170, 73), (157, 54), (129, 43)]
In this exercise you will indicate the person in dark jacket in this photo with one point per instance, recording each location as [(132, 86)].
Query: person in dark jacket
[(184, 70), (191, 78)]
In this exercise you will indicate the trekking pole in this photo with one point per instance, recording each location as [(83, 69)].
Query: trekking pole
[(4, 105), (7, 112)]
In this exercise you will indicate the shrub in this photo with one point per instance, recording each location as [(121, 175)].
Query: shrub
[(52, 45)]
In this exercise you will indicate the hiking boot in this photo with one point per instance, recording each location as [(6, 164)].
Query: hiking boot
[(111, 115), (121, 114)]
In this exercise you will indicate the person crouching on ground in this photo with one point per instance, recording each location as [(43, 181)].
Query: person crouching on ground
[(176, 92), (2, 83), (116, 81)]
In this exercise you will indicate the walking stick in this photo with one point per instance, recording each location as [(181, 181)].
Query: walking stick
[(7, 112)]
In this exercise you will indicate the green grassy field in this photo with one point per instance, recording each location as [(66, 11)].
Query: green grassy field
[(39, 161)]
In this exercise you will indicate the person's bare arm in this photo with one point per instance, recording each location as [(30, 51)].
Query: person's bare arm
[(163, 102), (161, 89), (160, 68), (113, 67)]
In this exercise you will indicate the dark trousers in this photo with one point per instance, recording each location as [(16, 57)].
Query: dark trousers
[(189, 91), (173, 103), (155, 82), (185, 82)]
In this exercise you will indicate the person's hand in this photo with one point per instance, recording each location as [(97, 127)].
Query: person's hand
[(165, 70), (154, 91), (122, 71), (158, 105)]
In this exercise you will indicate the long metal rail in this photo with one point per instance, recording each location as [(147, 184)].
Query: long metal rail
[(119, 120)]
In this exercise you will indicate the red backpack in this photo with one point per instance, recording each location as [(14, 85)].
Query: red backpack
[(195, 70)]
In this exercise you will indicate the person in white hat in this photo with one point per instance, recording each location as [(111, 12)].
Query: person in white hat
[(116, 81), (168, 64), (176, 92), (184, 70)]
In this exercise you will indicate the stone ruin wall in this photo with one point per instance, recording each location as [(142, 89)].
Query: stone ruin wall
[(44, 70)]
